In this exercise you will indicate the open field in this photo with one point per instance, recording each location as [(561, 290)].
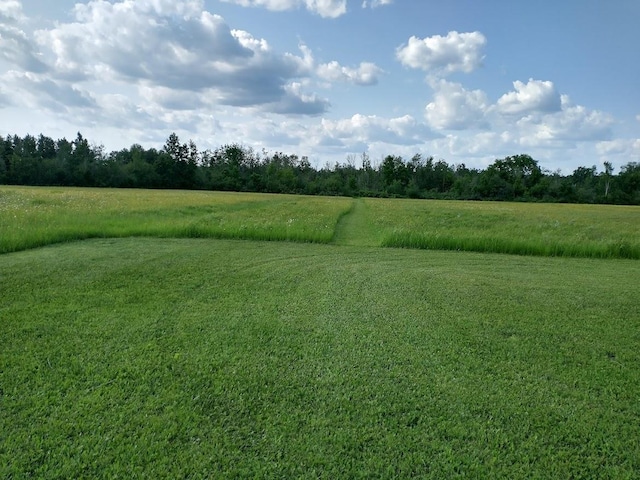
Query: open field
[(220, 358), (233, 359), (36, 216)]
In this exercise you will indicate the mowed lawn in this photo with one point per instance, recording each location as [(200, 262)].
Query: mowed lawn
[(164, 358), (148, 357)]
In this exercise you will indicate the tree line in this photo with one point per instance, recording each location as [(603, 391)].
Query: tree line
[(41, 160)]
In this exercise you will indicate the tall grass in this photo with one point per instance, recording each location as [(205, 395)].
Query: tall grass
[(35, 216), (594, 231), (32, 217), (512, 246)]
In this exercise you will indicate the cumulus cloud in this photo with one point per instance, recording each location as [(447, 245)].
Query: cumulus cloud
[(137, 69), (534, 96), (171, 99), (147, 40), (58, 97), (454, 108), (534, 118), (372, 128), (15, 46), (573, 123), (11, 11), (324, 8), (534, 115), (178, 46), (297, 102), (331, 139), (576, 122), (483, 147), (365, 74), (620, 146), (268, 132), (17, 49), (457, 52)]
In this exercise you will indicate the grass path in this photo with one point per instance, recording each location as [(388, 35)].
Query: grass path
[(356, 229)]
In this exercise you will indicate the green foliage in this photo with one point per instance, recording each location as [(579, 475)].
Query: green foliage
[(629, 184), (161, 358), (235, 167)]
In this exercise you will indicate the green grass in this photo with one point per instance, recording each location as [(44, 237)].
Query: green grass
[(355, 228), (196, 358), (596, 231), (36, 216), (218, 358)]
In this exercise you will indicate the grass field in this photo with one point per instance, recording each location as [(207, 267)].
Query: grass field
[(33, 217), (601, 231), (216, 358)]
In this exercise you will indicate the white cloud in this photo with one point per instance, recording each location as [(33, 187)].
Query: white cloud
[(365, 74), (327, 8), (545, 118), (11, 11), (37, 91), (577, 122), (267, 131), (330, 140), (18, 50), (171, 99), (249, 42), (457, 52), (121, 111), (375, 3), (534, 96), (324, 8), (454, 108), (615, 147), (372, 128), (306, 63), (179, 46), (15, 46), (150, 39), (620, 152), (574, 123), (297, 102)]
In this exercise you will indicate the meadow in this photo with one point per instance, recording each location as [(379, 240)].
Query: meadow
[(135, 354), (574, 230), (37, 216)]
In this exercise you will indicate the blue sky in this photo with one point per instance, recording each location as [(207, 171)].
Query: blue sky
[(461, 80)]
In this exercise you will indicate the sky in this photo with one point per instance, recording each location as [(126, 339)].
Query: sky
[(465, 81)]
